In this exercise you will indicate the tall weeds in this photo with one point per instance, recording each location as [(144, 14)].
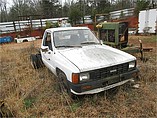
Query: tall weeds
[(35, 93)]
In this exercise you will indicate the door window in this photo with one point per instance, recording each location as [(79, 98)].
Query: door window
[(47, 40)]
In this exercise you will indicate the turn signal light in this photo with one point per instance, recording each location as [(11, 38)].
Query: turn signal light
[(75, 78)]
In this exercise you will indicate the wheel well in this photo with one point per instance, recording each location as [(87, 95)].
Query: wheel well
[(25, 40), (15, 40), (59, 70)]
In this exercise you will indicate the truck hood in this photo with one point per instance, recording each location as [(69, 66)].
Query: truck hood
[(95, 56)]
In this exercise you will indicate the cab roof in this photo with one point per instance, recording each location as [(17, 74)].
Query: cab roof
[(65, 28)]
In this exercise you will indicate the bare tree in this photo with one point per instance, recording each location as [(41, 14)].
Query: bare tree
[(25, 8), (3, 11)]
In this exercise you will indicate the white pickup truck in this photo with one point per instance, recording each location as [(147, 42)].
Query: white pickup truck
[(24, 39), (82, 63)]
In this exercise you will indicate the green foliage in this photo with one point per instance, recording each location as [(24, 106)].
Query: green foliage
[(49, 24), (140, 5), (65, 10), (28, 102), (75, 106), (75, 14), (75, 10), (94, 12), (121, 14), (104, 7), (51, 9)]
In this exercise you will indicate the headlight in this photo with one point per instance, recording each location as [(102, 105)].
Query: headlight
[(84, 76), (132, 64)]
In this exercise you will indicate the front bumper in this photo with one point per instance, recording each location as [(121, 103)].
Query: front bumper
[(103, 84)]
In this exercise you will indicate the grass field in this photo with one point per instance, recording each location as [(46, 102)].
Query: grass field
[(25, 92)]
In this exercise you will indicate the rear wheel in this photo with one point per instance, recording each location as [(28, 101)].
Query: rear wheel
[(34, 61), (39, 59)]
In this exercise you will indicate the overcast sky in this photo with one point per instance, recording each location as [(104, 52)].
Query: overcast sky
[(10, 2)]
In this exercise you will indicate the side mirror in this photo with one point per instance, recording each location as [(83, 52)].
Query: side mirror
[(44, 48)]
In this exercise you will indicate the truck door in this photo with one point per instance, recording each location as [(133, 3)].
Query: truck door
[(47, 51)]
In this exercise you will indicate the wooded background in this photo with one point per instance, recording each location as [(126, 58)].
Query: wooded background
[(74, 9)]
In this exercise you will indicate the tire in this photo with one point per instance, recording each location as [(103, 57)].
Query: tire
[(34, 61), (64, 84), (39, 61)]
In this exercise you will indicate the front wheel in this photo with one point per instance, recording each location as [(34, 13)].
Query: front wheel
[(64, 84)]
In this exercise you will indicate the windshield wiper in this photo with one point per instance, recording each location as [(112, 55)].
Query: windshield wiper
[(89, 42), (68, 46)]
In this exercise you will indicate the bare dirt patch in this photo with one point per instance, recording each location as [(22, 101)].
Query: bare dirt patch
[(34, 93)]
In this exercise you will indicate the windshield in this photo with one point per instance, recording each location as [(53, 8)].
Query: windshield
[(77, 37)]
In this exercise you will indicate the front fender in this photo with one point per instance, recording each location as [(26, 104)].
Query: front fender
[(66, 66)]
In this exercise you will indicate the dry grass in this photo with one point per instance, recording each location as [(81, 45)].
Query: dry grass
[(35, 93)]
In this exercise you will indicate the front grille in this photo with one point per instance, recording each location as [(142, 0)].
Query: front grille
[(109, 71)]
